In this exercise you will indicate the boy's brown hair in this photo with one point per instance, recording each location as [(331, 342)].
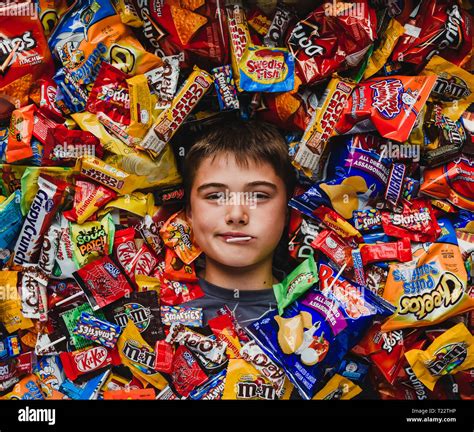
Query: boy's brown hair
[(248, 141)]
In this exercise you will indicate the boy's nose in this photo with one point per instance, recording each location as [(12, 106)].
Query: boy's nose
[(236, 214)]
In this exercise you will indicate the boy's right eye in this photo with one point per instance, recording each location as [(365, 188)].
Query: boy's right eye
[(213, 196)]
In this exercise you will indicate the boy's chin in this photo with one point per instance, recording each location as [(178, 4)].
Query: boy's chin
[(236, 263)]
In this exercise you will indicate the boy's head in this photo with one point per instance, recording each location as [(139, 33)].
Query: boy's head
[(238, 178)]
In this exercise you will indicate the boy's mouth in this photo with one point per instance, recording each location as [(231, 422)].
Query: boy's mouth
[(235, 237)]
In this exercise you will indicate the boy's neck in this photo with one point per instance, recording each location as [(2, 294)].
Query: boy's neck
[(257, 277)]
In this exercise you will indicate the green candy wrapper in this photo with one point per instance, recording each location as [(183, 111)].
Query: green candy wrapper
[(296, 283)]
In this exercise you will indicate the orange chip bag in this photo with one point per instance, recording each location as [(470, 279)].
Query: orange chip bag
[(432, 287), (187, 23), (20, 133), (177, 234)]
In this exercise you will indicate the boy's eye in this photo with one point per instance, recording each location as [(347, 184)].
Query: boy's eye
[(213, 196), (261, 195)]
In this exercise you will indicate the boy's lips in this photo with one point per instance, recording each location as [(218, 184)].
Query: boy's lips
[(235, 237)]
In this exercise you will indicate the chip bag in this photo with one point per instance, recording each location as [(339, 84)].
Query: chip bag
[(432, 287), (391, 104), (315, 332), (451, 352)]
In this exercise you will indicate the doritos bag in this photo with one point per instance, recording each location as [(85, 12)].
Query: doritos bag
[(23, 47)]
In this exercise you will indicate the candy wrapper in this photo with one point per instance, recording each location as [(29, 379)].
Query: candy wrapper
[(316, 331), (449, 353)]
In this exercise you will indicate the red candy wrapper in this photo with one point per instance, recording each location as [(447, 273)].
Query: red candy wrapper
[(417, 222), (80, 362), (110, 94), (186, 373), (396, 251), (392, 104), (176, 270), (23, 47), (144, 261), (164, 354), (436, 27), (125, 249), (103, 282), (327, 41), (332, 246), (63, 146)]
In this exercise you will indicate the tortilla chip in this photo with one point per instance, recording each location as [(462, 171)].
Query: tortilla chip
[(187, 23), (192, 4)]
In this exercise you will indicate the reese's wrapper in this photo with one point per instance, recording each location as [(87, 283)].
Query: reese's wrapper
[(432, 287), (451, 352)]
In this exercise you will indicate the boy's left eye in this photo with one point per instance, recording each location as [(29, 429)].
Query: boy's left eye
[(213, 196), (261, 195)]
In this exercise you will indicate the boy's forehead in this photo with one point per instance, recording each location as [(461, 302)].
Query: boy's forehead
[(226, 167)]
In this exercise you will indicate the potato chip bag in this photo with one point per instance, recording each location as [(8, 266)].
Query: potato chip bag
[(451, 352), (432, 287), (139, 356)]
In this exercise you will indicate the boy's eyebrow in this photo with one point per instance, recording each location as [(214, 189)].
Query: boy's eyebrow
[(222, 185)]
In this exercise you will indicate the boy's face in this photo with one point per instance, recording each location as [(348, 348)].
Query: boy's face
[(237, 213)]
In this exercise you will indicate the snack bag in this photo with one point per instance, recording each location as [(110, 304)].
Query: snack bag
[(324, 43), (139, 356), (91, 32), (20, 135), (391, 104), (449, 353), (451, 182), (92, 239), (338, 388), (454, 88), (24, 49), (265, 69), (244, 382), (315, 332), (432, 287)]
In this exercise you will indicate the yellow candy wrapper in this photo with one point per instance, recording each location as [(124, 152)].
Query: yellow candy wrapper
[(139, 356), (380, 56), (137, 203), (244, 382), (454, 88), (338, 388), (147, 283), (10, 303), (91, 240), (451, 352), (432, 287), (141, 106)]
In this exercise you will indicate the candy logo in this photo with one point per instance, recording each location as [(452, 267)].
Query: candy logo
[(125, 253), (92, 240), (386, 99), (239, 38), (142, 355), (300, 39), (140, 316), (447, 359), (451, 36), (145, 264), (19, 44), (391, 339), (91, 359), (448, 292), (255, 390), (301, 278), (112, 270), (417, 385), (268, 69), (449, 89)]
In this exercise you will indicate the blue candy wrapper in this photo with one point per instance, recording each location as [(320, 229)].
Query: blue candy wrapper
[(354, 178), (12, 221), (212, 389), (225, 88), (316, 332)]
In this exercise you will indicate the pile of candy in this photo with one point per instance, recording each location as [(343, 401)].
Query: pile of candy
[(97, 257)]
